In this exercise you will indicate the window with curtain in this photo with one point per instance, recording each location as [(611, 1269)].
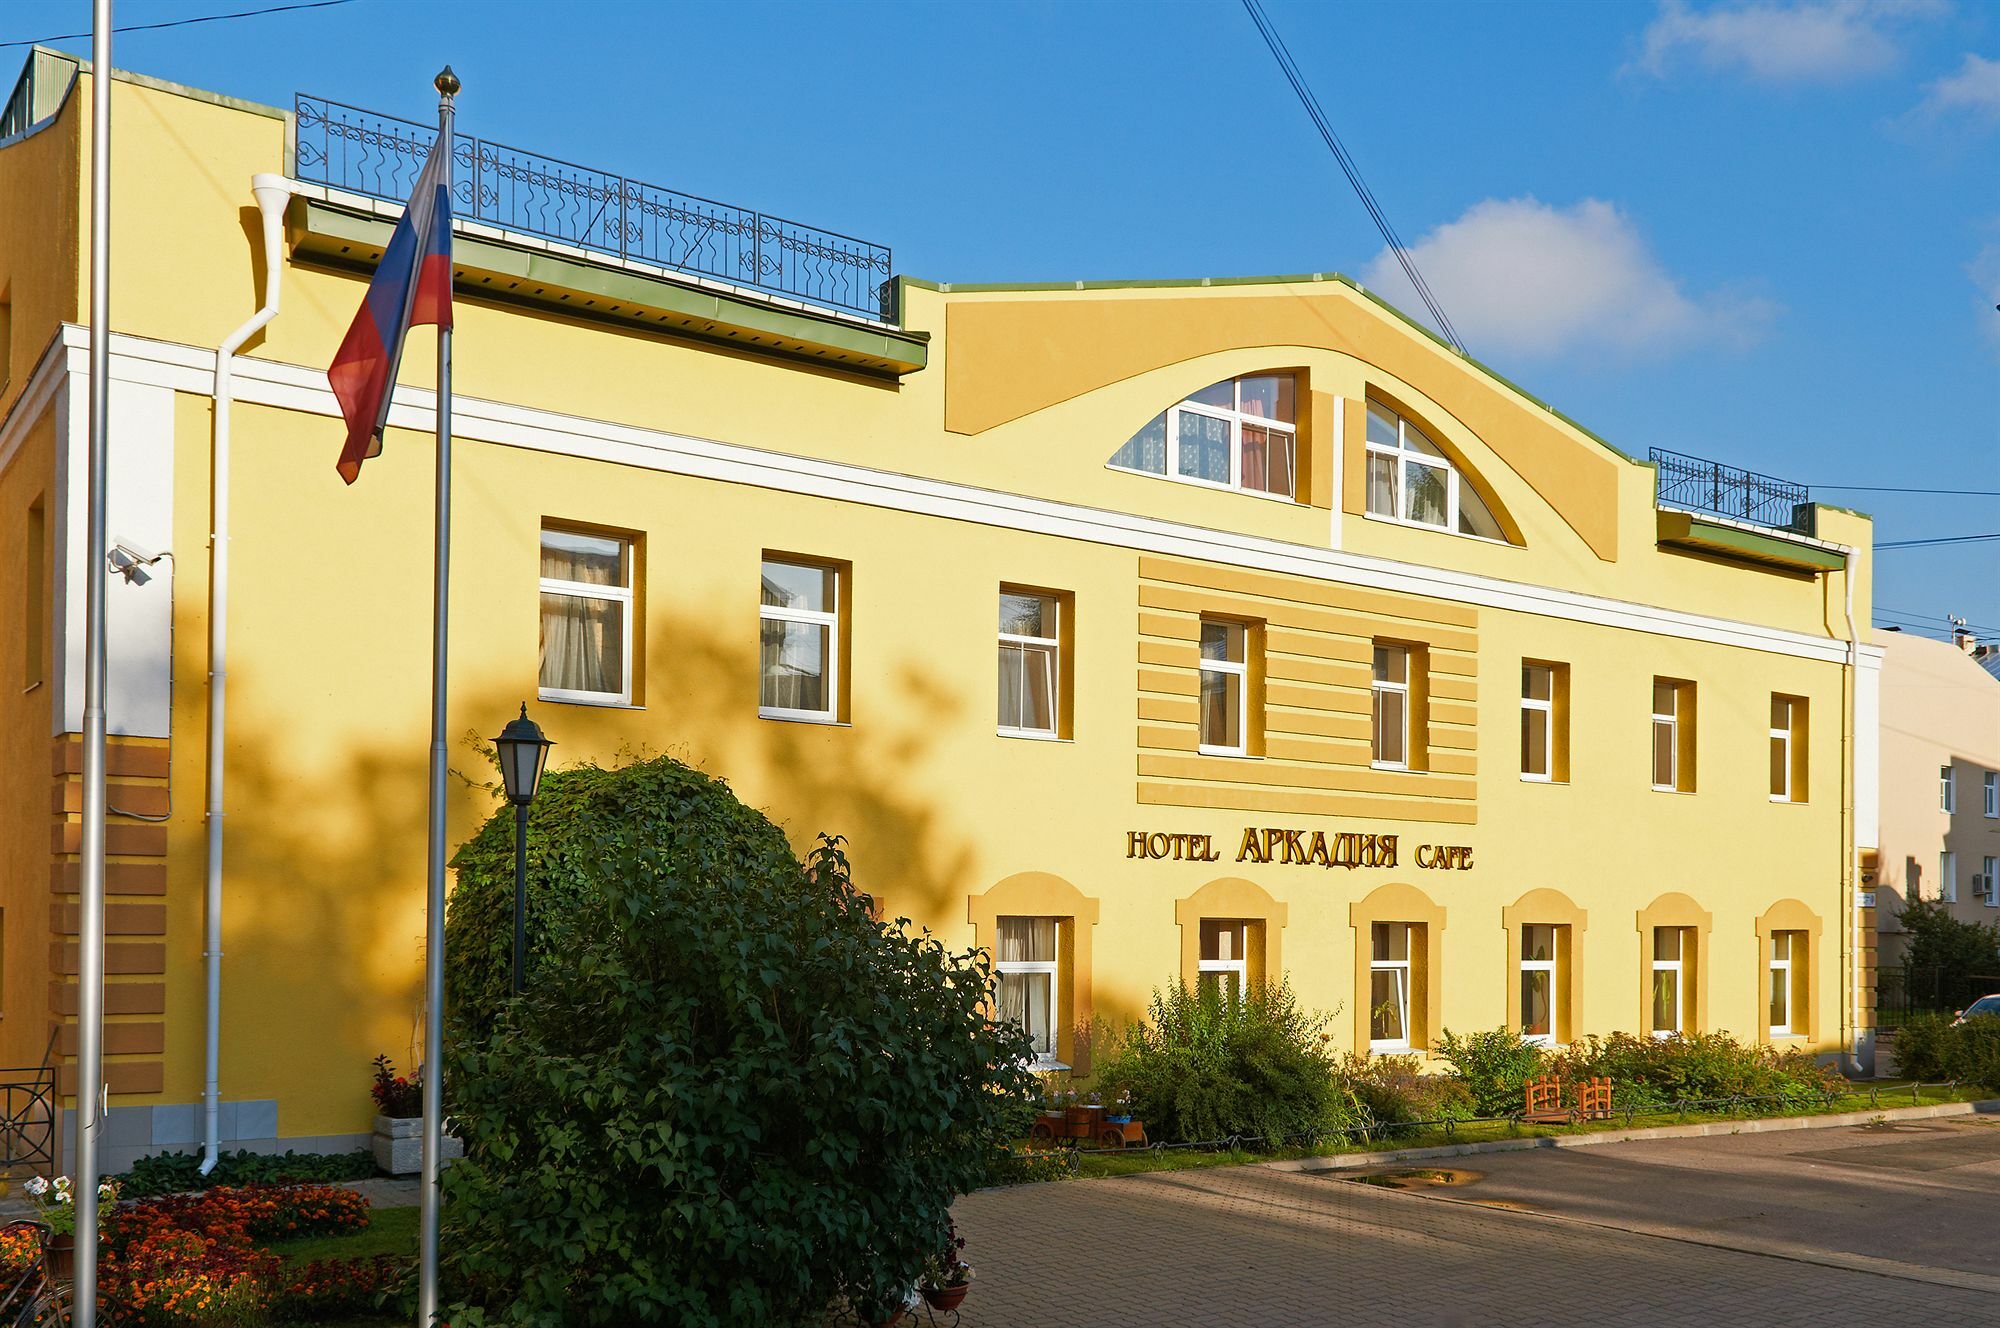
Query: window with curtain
[(798, 641), (1241, 433), (1223, 967), (1788, 717), (1788, 983), (1673, 708), (1389, 986), (1225, 685), (1538, 983), (586, 617), (1538, 713), (1391, 696), (1024, 964), (1030, 673), (1411, 480), (1669, 986)]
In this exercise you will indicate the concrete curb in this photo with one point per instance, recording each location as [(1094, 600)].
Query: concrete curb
[(1591, 1139)]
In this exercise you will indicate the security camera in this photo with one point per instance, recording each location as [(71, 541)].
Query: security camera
[(131, 560)]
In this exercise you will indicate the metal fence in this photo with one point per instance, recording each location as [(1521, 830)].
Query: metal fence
[(364, 152), (1917, 989), (1709, 486)]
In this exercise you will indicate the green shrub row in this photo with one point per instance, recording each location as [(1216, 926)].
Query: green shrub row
[(1931, 1046), (1199, 1068), (174, 1173)]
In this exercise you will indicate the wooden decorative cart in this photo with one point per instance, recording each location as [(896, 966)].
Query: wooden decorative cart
[(1088, 1126), (1544, 1101)]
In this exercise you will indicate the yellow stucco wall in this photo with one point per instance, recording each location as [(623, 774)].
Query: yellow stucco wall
[(331, 613)]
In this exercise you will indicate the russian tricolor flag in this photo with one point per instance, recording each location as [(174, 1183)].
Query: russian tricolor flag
[(411, 285)]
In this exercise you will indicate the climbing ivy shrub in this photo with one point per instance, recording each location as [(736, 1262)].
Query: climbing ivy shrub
[(729, 1093)]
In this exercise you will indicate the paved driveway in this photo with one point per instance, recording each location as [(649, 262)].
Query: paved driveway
[(1870, 1225)]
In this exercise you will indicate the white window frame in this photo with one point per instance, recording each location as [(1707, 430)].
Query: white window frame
[(1053, 659), (1948, 876), (620, 595), (1676, 966), (1780, 977), (1784, 735), (1378, 686), (1049, 968), (1400, 452), (1989, 883), (1546, 710), (1948, 790), (1240, 965), (830, 618), (1237, 676), (1548, 966), (1672, 720), (1235, 419), (1991, 783), (1401, 968)]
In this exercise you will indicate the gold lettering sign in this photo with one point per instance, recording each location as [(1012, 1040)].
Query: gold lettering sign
[(1300, 848)]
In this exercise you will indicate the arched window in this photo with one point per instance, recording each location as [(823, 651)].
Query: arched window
[(1410, 479), (1241, 433)]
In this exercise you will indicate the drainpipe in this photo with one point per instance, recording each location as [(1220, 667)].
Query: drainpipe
[(272, 193)]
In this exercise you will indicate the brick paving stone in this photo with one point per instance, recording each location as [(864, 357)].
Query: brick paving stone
[(1250, 1246)]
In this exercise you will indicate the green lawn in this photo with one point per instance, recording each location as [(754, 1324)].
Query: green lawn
[(389, 1231), (1092, 1163)]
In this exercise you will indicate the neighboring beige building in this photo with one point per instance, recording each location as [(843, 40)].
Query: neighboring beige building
[(1940, 784)]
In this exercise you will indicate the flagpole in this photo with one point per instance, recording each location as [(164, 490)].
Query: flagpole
[(427, 1246), (90, 938)]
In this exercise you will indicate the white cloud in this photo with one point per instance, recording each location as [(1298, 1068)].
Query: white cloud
[(1974, 89), (1800, 41), (1517, 276)]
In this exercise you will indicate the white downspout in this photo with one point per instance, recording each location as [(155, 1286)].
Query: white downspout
[(272, 193)]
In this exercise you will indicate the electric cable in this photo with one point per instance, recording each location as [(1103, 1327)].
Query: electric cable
[(184, 22)]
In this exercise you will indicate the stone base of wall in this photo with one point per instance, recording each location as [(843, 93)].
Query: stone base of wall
[(131, 1133)]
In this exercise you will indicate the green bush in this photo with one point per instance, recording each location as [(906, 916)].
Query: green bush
[(1934, 939), (1393, 1090), (1200, 1068), (737, 1098), (172, 1173), (1650, 1072), (1495, 1066), (1930, 1046)]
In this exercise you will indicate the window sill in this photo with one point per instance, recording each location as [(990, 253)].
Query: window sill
[(1438, 530), (1029, 735), (1663, 788), (608, 703), (1236, 752), (1289, 500), (1400, 767), (794, 717), (1047, 1065), (1789, 802), (1545, 779)]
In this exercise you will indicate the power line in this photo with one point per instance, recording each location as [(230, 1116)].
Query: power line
[(184, 22), (1942, 539), (1885, 488), (1289, 67)]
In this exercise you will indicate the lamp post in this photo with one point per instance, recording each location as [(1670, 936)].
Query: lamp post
[(523, 751)]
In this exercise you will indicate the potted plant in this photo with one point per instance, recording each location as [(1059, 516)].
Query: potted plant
[(55, 1207), (948, 1276), (399, 1121)]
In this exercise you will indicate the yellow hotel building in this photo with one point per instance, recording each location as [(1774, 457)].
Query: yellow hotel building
[(1199, 629)]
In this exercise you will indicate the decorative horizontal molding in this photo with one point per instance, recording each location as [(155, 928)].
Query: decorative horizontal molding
[(295, 387)]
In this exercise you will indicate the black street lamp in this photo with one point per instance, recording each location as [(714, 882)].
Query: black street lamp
[(523, 751)]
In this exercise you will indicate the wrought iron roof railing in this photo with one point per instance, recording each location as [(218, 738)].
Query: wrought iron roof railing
[(380, 156), (1744, 495)]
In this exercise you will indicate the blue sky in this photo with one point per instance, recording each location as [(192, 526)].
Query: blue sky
[(1768, 234)]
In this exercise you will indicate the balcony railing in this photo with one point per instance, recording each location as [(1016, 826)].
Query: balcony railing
[(1744, 495), (380, 156)]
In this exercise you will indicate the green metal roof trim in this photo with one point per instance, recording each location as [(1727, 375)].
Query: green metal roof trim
[(1294, 279), (600, 291), (1691, 531)]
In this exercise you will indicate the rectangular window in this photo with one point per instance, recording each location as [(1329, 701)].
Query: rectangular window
[(1989, 882), (1669, 987), (1673, 735), (35, 592), (1538, 721), (1030, 664), (798, 620), (1225, 687), (1787, 979), (1788, 748), (1538, 983), (1223, 967), (1992, 791), (1389, 987), (1025, 962), (586, 617), (1391, 695), (1948, 877), (1947, 790)]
